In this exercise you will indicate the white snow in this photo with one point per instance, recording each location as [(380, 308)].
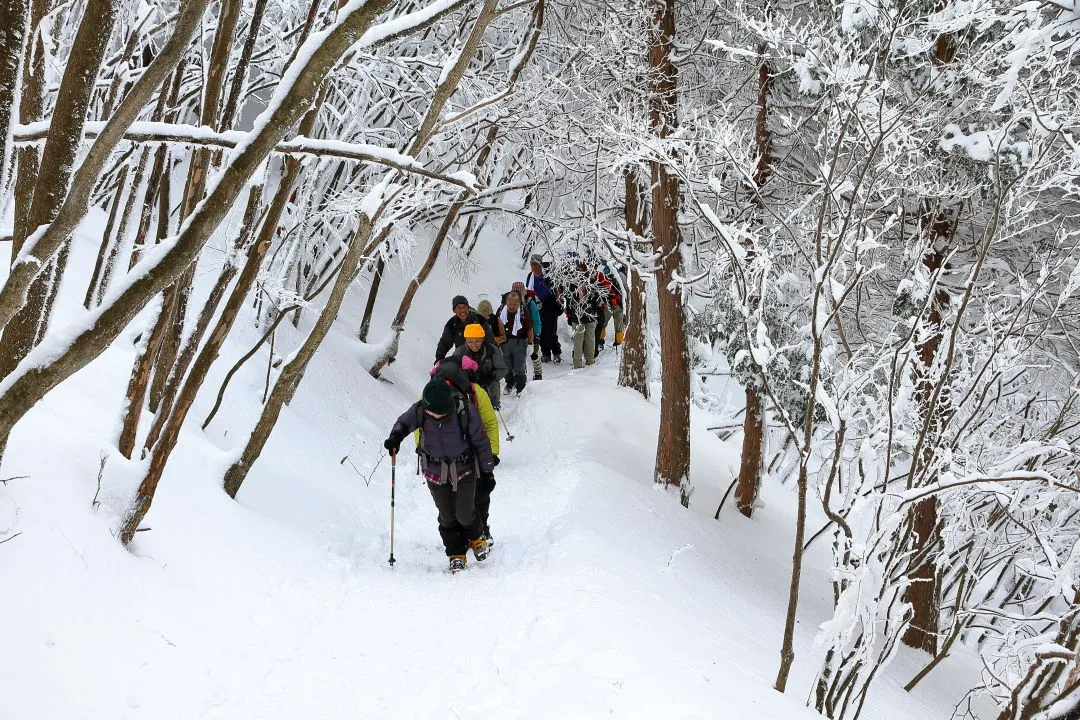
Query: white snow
[(603, 597)]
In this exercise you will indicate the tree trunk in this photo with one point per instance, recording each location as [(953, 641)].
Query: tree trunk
[(673, 443), (633, 367), (293, 371), (19, 394), (31, 107), (13, 18), (57, 161), (178, 296), (107, 240), (50, 206), (749, 481), (170, 429), (183, 362), (369, 308)]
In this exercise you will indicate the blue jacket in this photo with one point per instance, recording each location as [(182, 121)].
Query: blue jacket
[(539, 285)]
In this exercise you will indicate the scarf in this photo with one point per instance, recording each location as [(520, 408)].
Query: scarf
[(517, 319)]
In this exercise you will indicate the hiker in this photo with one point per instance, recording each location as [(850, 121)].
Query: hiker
[(583, 308), (519, 336), (612, 308), (453, 334), (492, 321), (488, 358), (533, 309), (454, 451), (460, 373), (537, 286)]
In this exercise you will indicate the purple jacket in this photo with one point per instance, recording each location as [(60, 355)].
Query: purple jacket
[(441, 440)]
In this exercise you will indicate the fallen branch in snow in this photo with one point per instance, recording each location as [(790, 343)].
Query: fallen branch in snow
[(161, 132), (11, 538), (5, 481)]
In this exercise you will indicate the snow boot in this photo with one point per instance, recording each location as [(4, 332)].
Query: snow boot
[(558, 359), (537, 376), (619, 338), (457, 563), (479, 548), (490, 540)]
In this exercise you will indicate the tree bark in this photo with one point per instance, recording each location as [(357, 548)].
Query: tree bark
[(178, 296), (57, 161), (31, 107), (633, 366), (293, 371), (749, 481), (18, 393), (369, 307), (673, 443), (13, 18)]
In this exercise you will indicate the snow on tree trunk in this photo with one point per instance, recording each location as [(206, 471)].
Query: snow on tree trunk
[(57, 163), (633, 366), (95, 331), (673, 443), (13, 18)]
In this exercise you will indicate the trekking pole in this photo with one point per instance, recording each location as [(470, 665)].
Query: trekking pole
[(509, 435), (393, 485)]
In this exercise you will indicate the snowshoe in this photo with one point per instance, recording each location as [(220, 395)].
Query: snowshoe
[(457, 564), (480, 548)]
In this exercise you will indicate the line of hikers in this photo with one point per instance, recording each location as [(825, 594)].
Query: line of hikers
[(455, 423)]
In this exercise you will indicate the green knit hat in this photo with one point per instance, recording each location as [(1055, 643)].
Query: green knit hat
[(437, 398)]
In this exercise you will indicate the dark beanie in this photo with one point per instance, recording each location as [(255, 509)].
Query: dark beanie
[(459, 300), (437, 398)]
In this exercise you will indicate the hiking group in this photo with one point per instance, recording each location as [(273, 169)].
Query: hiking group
[(455, 422)]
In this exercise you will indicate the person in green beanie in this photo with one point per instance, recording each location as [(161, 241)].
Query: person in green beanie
[(455, 452)]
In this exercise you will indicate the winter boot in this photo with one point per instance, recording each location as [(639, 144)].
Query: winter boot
[(490, 540), (457, 563), (546, 357), (619, 338), (479, 548), (537, 376), (558, 359)]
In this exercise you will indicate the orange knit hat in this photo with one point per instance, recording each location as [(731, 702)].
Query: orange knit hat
[(475, 330)]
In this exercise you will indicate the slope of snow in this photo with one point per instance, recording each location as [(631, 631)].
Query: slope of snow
[(603, 596)]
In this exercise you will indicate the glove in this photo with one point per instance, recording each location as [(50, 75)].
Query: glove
[(393, 443), (536, 351), (496, 459)]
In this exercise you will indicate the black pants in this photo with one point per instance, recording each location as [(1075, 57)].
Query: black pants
[(483, 500), (458, 520), (549, 332)]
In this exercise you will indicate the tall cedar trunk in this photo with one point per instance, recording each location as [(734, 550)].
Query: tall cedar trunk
[(13, 17), (749, 481), (673, 443), (633, 368), (293, 370), (19, 394), (178, 296), (925, 590), (57, 161)]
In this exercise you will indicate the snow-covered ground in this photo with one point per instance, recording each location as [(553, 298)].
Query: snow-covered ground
[(603, 596)]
